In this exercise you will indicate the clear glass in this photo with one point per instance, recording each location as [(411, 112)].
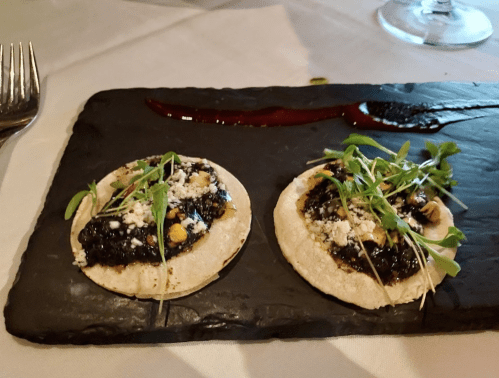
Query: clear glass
[(435, 22)]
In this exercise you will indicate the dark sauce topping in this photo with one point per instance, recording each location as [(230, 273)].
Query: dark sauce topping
[(123, 245), (393, 263), (323, 200), (375, 115)]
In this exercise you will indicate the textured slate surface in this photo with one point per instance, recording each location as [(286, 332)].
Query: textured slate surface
[(258, 296)]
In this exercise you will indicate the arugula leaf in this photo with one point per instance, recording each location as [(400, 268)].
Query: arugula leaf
[(168, 156), (382, 166), (357, 139), (141, 164), (93, 191), (451, 240), (450, 266), (74, 203), (404, 176), (447, 149), (432, 149), (393, 222), (135, 178), (342, 190), (332, 154), (354, 166), (118, 185), (402, 154), (148, 169), (158, 208)]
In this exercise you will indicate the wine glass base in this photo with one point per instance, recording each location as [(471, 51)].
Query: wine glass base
[(462, 27)]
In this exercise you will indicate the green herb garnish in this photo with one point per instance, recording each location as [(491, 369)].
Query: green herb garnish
[(78, 197), (149, 186), (399, 175)]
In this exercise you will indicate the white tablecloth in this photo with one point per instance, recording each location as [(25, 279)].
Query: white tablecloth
[(84, 47)]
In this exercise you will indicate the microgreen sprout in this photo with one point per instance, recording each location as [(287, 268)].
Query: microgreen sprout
[(399, 175), (147, 186), (78, 197)]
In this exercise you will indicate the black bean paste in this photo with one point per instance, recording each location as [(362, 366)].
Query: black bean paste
[(113, 246), (394, 263)]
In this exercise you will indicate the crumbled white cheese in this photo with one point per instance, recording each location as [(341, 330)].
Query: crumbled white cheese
[(186, 222), (136, 242), (299, 184), (80, 257), (198, 225), (213, 188), (338, 231), (179, 177), (139, 215), (366, 227), (180, 189), (113, 225)]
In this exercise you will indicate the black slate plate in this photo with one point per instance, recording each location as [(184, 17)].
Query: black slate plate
[(258, 296)]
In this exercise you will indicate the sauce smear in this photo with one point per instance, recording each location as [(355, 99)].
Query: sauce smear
[(372, 115)]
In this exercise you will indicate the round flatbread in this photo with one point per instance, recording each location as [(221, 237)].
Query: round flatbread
[(314, 263), (185, 273)]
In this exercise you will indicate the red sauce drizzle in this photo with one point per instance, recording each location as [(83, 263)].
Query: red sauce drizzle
[(373, 115)]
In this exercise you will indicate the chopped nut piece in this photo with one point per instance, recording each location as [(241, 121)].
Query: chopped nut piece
[(432, 212), (385, 185), (341, 212), (378, 236), (172, 213), (395, 236), (150, 240), (177, 233), (417, 198), (411, 200)]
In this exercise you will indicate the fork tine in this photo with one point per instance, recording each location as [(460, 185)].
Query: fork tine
[(22, 83), (34, 80), (10, 90), (18, 108), (1, 75)]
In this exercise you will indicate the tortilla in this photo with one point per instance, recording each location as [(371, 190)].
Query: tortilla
[(184, 273), (313, 262)]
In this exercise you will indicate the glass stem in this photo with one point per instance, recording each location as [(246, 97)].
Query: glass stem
[(436, 6)]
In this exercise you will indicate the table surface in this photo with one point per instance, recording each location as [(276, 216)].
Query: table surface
[(84, 47)]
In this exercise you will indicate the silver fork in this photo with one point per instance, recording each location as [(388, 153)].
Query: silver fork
[(18, 108)]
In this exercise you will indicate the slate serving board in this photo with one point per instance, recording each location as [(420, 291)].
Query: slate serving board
[(258, 296)]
